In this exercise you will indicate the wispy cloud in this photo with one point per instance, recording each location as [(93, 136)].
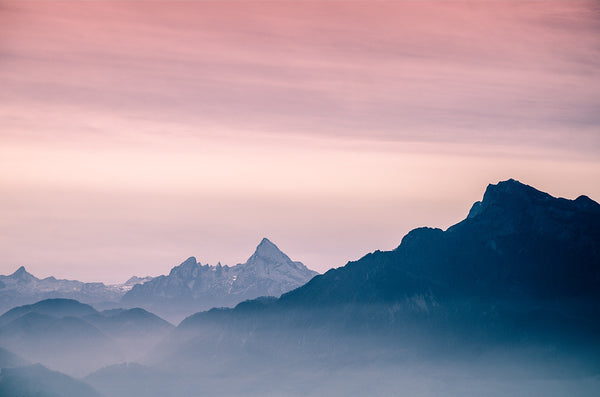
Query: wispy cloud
[(379, 104), (397, 70)]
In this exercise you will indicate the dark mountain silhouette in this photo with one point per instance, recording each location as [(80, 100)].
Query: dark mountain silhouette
[(516, 244), (191, 287), (522, 270)]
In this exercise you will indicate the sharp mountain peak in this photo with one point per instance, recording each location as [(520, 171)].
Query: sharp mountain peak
[(193, 287), (266, 246), (22, 273)]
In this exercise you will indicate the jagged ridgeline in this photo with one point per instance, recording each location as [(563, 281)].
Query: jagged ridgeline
[(521, 272), (506, 302), (192, 287), (23, 288), (188, 288)]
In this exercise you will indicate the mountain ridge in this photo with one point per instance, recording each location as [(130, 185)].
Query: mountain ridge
[(22, 288), (510, 214), (523, 265), (191, 286)]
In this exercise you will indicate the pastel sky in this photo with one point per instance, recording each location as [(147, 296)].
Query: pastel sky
[(134, 134)]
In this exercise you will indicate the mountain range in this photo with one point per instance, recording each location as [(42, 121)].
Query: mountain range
[(22, 287), (74, 337), (192, 287), (523, 269), (188, 288), (505, 302)]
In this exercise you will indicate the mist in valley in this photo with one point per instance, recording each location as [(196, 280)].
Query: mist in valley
[(505, 302), (250, 359)]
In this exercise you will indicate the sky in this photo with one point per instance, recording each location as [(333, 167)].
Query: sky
[(134, 134)]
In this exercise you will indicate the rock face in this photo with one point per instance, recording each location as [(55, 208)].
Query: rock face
[(192, 287), (22, 288)]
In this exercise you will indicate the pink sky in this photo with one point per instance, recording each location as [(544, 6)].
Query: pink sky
[(135, 134)]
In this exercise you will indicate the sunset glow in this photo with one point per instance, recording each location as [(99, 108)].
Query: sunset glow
[(136, 134)]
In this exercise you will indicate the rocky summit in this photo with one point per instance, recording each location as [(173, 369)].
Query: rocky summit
[(192, 287)]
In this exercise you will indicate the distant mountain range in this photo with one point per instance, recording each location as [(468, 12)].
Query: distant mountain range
[(192, 287), (510, 293), (21, 288), (75, 337), (522, 268), (188, 288)]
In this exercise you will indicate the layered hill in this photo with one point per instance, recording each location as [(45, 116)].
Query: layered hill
[(191, 286), (75, 338), (506, 302)]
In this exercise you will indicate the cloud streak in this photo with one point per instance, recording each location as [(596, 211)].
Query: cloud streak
[(395, 71), (247, 106)]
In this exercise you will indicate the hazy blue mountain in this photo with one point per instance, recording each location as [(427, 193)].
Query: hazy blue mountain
[(134, 323), (22, 288), (134, 330), (75, 338), (127, 379), (9, 359), (50, 307), (38, 381), (69, 344), (191, 286), (521, 272)]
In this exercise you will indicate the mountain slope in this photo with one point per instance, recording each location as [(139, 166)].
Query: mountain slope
[(37, 380), (521, 271), (518, 243), (191, 286)]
